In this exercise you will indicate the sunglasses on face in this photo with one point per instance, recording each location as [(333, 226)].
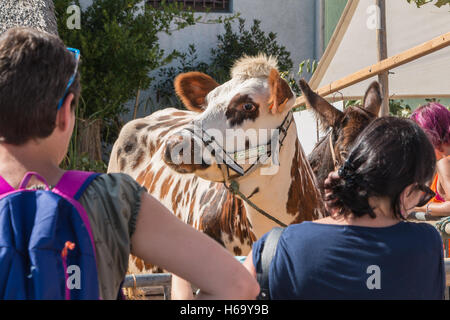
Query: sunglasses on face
[(76, 53), (428, 194)]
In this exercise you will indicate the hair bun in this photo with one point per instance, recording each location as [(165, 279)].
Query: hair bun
[(333, 185), (347, 173)]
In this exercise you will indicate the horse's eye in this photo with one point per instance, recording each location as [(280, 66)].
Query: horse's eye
[(249, 107), (344, 154)]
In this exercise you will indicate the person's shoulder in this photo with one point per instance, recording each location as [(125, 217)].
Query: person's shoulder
[(305, 232), (306, 226), (113, 195), (443, 165), (113, 185), (423, 230), (116, 178), (418, 226)]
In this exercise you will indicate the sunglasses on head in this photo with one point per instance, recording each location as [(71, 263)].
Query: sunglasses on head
[(76, 52), (428, 194)]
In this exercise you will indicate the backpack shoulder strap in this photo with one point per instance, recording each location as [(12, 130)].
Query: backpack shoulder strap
[(268, 252), (71, 186), (5, 187), (73, 183)]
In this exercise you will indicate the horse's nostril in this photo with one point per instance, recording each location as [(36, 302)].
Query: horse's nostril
[(175, 148), (171, 144), (167, 154)]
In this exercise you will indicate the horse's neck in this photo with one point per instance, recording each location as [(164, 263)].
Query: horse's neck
[(290, 194)]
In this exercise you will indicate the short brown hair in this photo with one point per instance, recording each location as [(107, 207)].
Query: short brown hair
[(35, 68)]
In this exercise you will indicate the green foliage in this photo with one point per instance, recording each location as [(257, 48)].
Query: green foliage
[(84, 163), (438, 3), (306, 67), (76, 161), (230, 47), (310, 66), (187, 61), (119, 47), (399, 108), (350, 103)]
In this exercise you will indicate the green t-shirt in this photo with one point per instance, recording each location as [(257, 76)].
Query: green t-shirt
[(112, 202)]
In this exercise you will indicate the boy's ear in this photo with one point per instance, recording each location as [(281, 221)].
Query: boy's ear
[(64, 113)]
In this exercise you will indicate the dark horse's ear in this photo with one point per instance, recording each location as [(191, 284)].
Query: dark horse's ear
[(328, 115), (372, 99)]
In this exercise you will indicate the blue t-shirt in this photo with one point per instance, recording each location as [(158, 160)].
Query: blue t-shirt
[(320, 261)]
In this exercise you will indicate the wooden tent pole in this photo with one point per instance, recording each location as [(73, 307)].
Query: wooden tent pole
[(383, 78), (417, 52)]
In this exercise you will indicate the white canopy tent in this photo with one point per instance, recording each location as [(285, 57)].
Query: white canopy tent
[(354, 47), (308, 131)]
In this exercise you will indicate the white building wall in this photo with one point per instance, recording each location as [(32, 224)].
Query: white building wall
[(294, 22)]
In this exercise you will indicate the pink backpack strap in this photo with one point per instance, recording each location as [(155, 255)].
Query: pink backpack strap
[(26, 179), (73, 183), (71, 186), (5, 187)]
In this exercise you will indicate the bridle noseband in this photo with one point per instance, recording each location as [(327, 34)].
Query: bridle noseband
[(228, 160)]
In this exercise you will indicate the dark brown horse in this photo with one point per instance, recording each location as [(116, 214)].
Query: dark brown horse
[(331, 151)]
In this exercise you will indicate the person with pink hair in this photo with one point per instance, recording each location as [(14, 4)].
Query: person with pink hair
[(434, 119)]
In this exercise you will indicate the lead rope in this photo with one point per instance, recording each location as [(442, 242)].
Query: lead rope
[(333, 155), (234, 188), (234, 185)]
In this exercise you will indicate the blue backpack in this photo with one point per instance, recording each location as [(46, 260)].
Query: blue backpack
[(46, 246)]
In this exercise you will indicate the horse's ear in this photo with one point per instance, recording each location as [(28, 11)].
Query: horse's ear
[(328, 115), (192, 88), (280, 92), (372, 99)]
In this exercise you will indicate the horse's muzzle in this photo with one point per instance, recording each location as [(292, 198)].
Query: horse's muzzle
[(184, 154)]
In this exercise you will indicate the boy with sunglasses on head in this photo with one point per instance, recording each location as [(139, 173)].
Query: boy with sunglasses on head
[(39, 91)]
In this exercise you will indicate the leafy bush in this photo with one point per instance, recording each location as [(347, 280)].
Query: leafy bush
[(119, 47), (186, 62), (84, 163), (230, 47), (399, 108)]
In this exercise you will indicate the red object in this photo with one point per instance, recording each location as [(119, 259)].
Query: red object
[(68, 246)]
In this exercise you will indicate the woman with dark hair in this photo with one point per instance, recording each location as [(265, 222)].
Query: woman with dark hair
[(365, 249), (434, 119)]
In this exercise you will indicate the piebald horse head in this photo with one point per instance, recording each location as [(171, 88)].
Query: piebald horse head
[(239, 123)]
